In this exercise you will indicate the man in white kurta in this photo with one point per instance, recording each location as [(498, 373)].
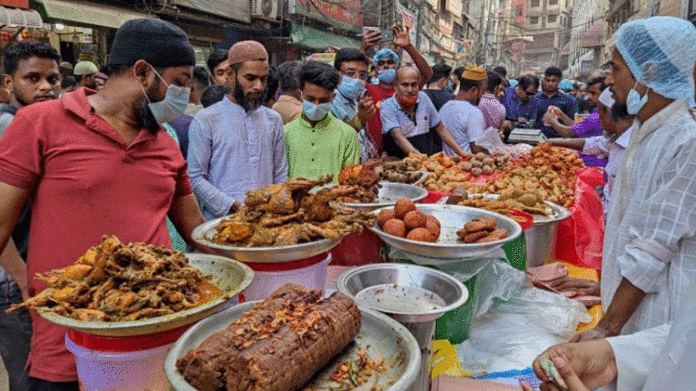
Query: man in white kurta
[(650, 238)]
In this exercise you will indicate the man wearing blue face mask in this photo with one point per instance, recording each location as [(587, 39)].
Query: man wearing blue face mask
[(98, 163), (350, 105), (317, 143), (387, 62), (650, 241)]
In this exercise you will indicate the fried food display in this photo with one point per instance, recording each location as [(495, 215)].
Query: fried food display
[(548, 171), (287, 214), (363, 179), (278, 345), (482, 230), (515, 199), (407, 221), (403, 171), (116, 282), (482, 164)]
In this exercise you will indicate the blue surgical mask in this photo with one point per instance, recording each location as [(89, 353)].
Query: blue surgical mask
[(374, 81), (634, 102), (315, 112), (351, 88), (172, 106), (387, 76)]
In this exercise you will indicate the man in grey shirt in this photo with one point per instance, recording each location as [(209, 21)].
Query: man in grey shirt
[(237, 145), (32, 74)]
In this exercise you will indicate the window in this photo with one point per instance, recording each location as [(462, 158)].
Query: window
[(552, 19), (533, 20), (553, 2), (534, 3)]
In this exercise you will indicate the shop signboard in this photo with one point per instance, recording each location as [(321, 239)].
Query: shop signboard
[(447, 43), (455, 7), (233, 9), (586, 67), (345, 14), (409, 19)]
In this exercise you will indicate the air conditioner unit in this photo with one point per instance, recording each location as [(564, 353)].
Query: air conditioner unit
[(265, 9)]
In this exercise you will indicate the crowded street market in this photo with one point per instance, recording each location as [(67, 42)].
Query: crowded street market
[(267, 215)]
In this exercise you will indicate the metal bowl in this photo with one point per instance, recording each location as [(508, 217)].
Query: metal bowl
[(230, 276), (449, 246), (558, 212), (388, 288), (389, 193), (540, 237), (380, 336), (203, 235)]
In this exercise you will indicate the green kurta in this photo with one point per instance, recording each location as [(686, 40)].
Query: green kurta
[(326, 148)]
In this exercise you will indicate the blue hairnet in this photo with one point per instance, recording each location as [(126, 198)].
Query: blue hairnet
[(513, 83), (566, 85), (660, 53), (384, 53)]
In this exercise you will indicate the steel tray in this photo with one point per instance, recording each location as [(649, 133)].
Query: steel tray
[(389, 193), (380, 336), (230, 276), (203, 235), (449, 246)]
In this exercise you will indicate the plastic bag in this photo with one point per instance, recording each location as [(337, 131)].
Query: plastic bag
[(515, 331)]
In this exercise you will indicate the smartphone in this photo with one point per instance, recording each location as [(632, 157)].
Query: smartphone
[(552, 373), (387, 35)]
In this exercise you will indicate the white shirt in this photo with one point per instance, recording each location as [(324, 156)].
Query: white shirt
[(661, 358), (466, 123), (599, 146), (650, 236)]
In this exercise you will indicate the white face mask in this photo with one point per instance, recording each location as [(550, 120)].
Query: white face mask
[(172, 106)]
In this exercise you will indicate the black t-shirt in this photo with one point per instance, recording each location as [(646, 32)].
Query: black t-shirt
[(439, 98)]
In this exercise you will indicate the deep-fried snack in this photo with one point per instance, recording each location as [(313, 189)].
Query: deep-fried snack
[(497, 234), (287, 214), (480, 224), (117, 282), (471, 237)]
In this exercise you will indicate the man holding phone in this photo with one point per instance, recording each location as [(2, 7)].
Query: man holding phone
[(387, 62)]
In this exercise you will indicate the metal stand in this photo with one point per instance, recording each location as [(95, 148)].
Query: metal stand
[(423, 332)]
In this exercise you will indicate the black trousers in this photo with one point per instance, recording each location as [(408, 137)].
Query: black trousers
[(43, 385)]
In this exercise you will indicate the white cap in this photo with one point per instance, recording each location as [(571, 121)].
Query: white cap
[(607, 98)]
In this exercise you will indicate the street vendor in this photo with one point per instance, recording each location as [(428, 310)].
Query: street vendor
[(237, 144), (551, 95), (650, 237), (387, 62), (97, 163), (317, 143), (409, 120)]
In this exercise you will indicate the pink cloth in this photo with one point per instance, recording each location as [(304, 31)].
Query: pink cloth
[(493, 111)]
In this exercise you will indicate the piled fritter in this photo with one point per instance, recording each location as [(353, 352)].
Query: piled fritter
[(548, 171), (117, 282), (288, 214), (482, 230), (278, 345)]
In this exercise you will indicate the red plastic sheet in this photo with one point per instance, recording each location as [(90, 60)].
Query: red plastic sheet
[(580, 237)]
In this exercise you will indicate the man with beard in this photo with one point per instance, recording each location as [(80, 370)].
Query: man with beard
[(409, 119), (86, 74), (461, 116), (97, 163), (237, 144), (32, 74)]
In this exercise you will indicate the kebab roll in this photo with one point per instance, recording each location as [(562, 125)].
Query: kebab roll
[(205, 367), (298, 350)]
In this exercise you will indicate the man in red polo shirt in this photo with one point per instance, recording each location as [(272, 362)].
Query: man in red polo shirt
[(387, 61), (97, 163)]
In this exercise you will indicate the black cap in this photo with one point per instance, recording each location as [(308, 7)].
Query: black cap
[(160, 43)]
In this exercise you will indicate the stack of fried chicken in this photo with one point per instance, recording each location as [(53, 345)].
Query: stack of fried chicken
[(288, 214), (364, 181), (118, 282)]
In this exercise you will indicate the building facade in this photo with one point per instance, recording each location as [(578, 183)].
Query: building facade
[(548, 25)]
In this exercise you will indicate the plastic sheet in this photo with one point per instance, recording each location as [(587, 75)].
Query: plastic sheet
[(580, 237), (516, 329)]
